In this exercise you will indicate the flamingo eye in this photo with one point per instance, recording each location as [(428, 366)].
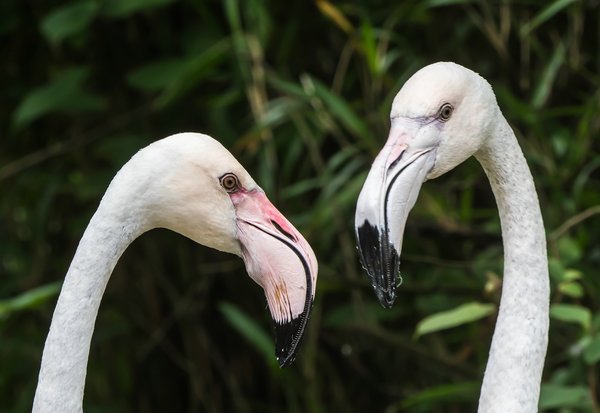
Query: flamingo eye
[(445, 112), (230, 182)]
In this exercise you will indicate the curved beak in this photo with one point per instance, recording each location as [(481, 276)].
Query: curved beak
[(387, 196), (279, 259)]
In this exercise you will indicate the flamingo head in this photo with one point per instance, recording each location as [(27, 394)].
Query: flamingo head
[(442, 115), (200, 190)]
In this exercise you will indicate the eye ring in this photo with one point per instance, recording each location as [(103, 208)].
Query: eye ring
[(445, 112), (230, 182)]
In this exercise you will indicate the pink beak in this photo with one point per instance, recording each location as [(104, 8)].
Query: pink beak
[(280, 260)]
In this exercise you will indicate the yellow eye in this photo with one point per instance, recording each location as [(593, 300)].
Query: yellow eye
[(445, 112), (230, 182)]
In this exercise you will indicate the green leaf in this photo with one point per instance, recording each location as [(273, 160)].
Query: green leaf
[(125, 8), (553, 396), (338, 107), (464, 391), (369, 46), (300, 187), (232, 11), (258, 19), (591, 354), (546, 14), (556, 269), (68, 20), (250, 330), (463, 314), (569, 249), (29, 299), (572, 275), (63, 94), (337, 181), (286, 86), (544, 87), (571, 313), (194, 70), (156, 76), (279, 111), (517, 109), (571, 288)]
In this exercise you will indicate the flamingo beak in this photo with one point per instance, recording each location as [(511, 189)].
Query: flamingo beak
[(387, 196), (281, 261)]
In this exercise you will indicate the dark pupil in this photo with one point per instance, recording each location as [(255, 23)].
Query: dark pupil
[(229, 182), (446, 112)]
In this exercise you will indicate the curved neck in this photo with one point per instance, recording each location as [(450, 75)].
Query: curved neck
[(513, 374), (62, 375)]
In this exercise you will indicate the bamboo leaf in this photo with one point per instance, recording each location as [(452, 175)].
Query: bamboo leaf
[(571, 313), (570, 250), (63, 94), (29, 299), (464, 391), (335, 15), (546, 14), (544, 87), (125, 8), (571, 288), (193, 71), (156, 76), (369, 46), (463, 314), (591, 354), (339, 108), (250, 330), (553, 396), (68, 20)]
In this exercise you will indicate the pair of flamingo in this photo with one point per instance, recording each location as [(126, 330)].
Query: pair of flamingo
[(191, 184)]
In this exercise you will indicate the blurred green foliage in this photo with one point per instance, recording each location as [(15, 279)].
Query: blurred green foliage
[(300, 92)]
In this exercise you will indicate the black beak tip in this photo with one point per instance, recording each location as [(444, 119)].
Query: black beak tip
[(381, 261), (288, 336), (286, 360), (386, 297)]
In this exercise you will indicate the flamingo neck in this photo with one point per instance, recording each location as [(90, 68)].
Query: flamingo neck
[(513, 374), (64, 361)]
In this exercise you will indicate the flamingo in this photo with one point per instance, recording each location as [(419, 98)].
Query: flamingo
[(442, 115), (191, 184)]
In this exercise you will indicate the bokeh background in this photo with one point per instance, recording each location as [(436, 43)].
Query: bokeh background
[(300, 92)]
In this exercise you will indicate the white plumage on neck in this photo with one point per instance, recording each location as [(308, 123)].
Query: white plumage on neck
[(64, 361), (514, 371)]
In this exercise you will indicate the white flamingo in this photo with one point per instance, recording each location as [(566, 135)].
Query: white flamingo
[(442, 115), (191, 184)]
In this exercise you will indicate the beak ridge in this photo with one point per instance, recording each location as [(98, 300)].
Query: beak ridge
[(388, 194)]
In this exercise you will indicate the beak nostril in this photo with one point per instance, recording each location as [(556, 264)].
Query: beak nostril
[(396, 160), (284, 232)]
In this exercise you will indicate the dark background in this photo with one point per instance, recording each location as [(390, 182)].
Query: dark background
[(300, 92)]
